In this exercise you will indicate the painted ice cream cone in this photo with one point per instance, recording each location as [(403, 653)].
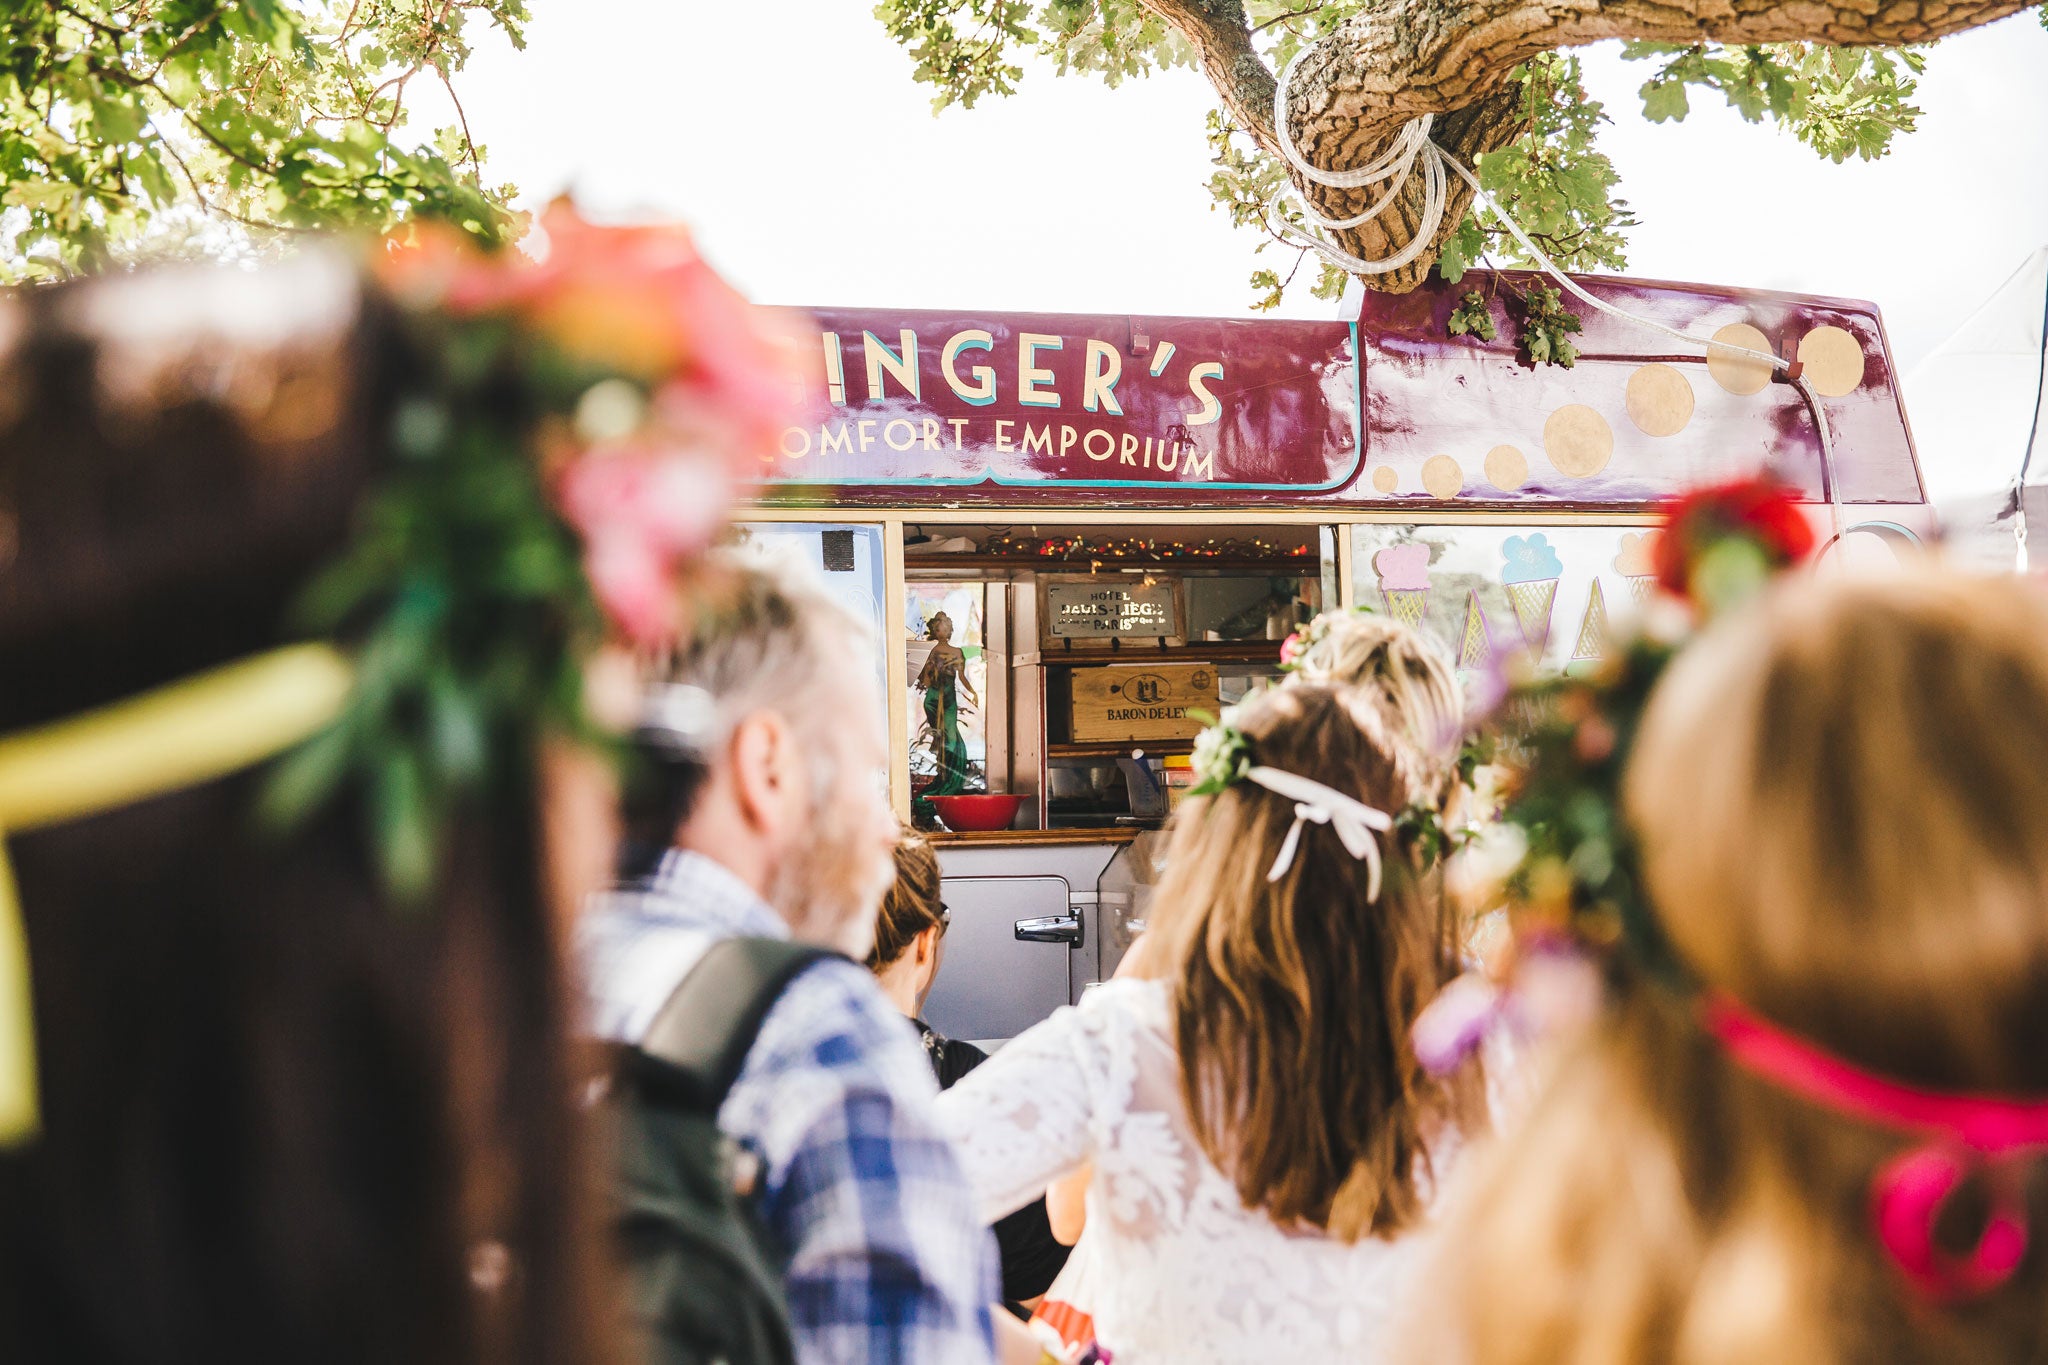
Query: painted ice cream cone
[(1404, 581), (1530, 576), (1532, 602), (1637, 564), (1592, 626), (1406, 605), (1475, 648)]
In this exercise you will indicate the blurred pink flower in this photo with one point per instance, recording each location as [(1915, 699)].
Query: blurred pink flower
[(633, 306), (1594, 740), (1554, 991), (632, 582), (1557, 990), (642, 512), (1452, 1026), (639, 301)]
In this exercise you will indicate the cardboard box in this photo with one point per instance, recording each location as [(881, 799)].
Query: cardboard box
[(1139, 702)]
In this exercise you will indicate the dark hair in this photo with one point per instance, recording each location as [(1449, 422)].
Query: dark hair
[(658, 794), (912, 905), (282, 1119)]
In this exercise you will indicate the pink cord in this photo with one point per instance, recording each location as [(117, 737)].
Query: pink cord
[(1965, 1133)]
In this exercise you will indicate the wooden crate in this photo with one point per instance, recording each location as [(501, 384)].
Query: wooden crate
[(1140, 701)]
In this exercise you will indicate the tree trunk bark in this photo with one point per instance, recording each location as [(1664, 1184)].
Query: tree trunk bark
[(1353, 93)]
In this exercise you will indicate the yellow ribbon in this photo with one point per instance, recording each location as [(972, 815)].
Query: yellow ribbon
[(177, 736)]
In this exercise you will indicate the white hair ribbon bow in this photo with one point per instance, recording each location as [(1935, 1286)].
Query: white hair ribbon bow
[(1353, 820)]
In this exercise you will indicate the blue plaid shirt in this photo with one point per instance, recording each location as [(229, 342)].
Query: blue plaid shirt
[(889, 1263)]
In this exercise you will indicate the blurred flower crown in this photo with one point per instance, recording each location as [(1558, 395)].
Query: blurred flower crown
[(1296, 646), (1582, 921), (566, 444), (1571, 879), (1570, 735), (565, 433)]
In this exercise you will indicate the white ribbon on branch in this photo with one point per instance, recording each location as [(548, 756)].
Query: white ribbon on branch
[(1354, 822), (1395, 164), (1414, 143)]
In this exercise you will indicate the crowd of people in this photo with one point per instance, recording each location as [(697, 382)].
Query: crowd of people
[(285, 1112)]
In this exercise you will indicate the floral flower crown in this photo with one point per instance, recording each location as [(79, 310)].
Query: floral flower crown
[(1571, 735), (569, 433), (1295, 646), (1583, 921), (1572, 880), (566, 432), (1224, 756)]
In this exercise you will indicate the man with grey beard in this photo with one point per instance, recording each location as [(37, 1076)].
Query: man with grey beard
[(766, 728)]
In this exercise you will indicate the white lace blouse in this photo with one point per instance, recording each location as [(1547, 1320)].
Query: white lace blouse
[(1184, 1273)]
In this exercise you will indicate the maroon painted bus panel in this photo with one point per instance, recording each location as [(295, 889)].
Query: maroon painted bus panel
[(1431, 394), (1063, 410), (1103, 409)]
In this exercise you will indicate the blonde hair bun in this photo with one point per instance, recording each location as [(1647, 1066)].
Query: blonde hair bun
[(1407, 679)]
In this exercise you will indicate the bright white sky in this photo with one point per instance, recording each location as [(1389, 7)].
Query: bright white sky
[(814, 172)]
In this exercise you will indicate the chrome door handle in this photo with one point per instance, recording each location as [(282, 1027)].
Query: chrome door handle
[(1051, 929)]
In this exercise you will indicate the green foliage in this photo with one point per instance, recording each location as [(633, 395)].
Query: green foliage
[(1547, 327), (1271, 289), (466, 594), (962, 47), (1543, 325), (1554, 179), (1473, 316), (219, 124), (1840, 101), (1243, 183), (1330, 282), (965, 49), (1570, 739), (1115, 39)]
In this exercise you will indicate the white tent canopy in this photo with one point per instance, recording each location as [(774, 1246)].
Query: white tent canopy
[(1980, 421)]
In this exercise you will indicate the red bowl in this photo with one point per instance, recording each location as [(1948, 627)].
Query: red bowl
[(976, 814)]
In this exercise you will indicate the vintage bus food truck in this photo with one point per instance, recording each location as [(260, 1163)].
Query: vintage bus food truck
[(1074, 534)]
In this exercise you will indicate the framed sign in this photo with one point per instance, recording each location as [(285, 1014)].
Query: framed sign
[(1106, 609), (1136, 702)]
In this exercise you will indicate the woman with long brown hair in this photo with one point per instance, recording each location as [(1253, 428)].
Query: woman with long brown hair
[(1264, 1144), (1816, 1135), (1389, 666)]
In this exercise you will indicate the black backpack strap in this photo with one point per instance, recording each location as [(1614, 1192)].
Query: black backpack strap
[(708, 1025)]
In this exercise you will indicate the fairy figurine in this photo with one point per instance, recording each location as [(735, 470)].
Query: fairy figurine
[(942, 679)]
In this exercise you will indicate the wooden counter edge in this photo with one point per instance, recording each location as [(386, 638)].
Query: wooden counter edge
[(1015, 838)]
